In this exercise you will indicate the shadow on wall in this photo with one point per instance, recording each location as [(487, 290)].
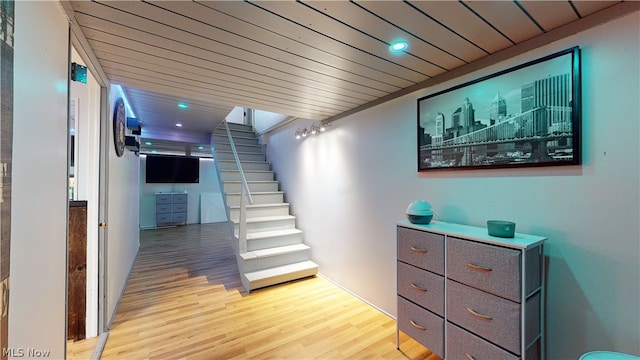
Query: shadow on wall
[(452, 214), (573, 327)]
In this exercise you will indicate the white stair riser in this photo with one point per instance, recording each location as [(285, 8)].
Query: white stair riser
[(280, 224), (218, 139), (236, 130), (237, 126), (248, 175), (261, 186), (266, 243), (258, 199), (226, 155), (251, 285), (272, 261), (246, 165), (253, 212), (239, 148), (221, 135)]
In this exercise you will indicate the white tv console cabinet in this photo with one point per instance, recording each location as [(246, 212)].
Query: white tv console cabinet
[(467, 295)]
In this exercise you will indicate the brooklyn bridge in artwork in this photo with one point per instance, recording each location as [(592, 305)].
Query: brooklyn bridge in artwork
[(540, 131)]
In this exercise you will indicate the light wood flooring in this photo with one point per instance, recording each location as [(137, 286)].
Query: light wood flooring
[(184, 300)]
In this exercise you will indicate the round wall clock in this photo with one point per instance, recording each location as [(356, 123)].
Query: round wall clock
[(119, 117)]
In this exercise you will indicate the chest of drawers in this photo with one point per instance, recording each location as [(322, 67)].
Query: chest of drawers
[(171, 209), (467, 295)]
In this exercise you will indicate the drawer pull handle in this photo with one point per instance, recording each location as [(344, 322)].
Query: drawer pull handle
[(469, 356), (417, 326), (418, 287), (481, 316), (413, 248), (478, 267)]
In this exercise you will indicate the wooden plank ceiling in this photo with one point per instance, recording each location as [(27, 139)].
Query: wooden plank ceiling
[(308, 59)]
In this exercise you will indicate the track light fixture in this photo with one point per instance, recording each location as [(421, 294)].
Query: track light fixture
[(315, 129)]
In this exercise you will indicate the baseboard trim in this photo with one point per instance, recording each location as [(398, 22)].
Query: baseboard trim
[(357, 296), (102, 341), (124, 287)]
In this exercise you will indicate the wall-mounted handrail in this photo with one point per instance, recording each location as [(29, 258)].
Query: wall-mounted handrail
[(245, 195)]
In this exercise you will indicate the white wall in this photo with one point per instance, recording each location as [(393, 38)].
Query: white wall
[(263, 120), (350, 185), (39, 180), (236, 115), (123, 238), (209, 185)]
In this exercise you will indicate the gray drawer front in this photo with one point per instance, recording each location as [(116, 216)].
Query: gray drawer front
[(163, 208), (432, 336), (179, 198), (504, 327), (163, 218), (163, 199), (179, 207), (460, 343), (431, 299), (422, 249), (464, 257), (179, 217)]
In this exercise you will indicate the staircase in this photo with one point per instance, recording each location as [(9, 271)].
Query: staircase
[(274, 252)]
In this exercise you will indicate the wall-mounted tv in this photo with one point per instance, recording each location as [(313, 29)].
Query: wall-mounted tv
[(172, 169)]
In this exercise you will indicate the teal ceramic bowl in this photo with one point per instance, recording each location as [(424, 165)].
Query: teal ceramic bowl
[(501, 228)]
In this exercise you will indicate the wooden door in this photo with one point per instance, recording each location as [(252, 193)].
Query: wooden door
[(77, 270)]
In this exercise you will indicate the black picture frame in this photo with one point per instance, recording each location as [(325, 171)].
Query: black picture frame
[(524, 116)]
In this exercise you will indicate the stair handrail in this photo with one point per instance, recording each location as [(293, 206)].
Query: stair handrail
[(245, 194)]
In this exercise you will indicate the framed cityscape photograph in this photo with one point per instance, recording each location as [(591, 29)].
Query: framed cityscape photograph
[(528, 115)]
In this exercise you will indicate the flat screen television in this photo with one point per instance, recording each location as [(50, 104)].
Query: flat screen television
[(172, 169)]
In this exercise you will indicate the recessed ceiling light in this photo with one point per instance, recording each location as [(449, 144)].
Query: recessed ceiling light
[(200, 147), (179, 125), (398, 46), (148, 143), (183, 105)]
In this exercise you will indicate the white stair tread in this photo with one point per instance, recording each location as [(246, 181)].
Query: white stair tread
[(262, 205), (249, 181), (257, 193), (247, 171), (238, 152), (281, 270), (237, 134), (243, 161), (274, 251), (273, 233), (267, 218)]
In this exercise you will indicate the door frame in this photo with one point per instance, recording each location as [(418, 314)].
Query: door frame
[(81, 45)]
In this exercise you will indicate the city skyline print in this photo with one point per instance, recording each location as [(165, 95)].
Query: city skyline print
[(528, 115)]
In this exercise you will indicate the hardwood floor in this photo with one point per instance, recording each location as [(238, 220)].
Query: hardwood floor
[(184, 300), (81, 349)]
